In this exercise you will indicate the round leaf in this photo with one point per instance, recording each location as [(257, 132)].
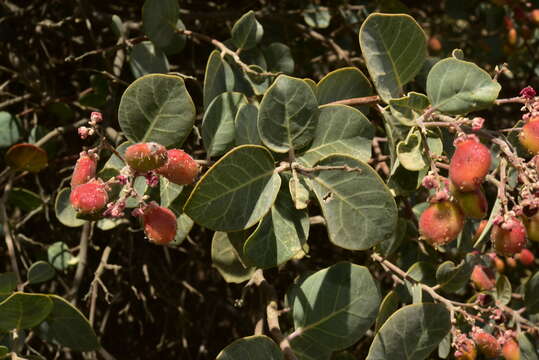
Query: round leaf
[(288, 114), (343, 83), (147, 59), (24, 199), (64, 211), (23, 311), (247, 31), (39, 272), (236, 191), (27, 157), (317, 16), (225, 259), (251, 348), (11, 131), (279, 58), (157, 108), (59, 255), (394, 47), (358, 207), (159, 19)]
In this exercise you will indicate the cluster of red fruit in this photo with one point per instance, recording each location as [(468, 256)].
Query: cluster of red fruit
[(89, 195), (488, 345)]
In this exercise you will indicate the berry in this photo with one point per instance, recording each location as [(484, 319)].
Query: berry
[(159, 224), (466, 350), (470, 164), (511, 350), (472, 203), (487, 344), (508, 238), (435, 44), (499, 264), (89, 198), (511, 262), (483, 278), (534, 16), (85, 169), (180, 168), (512, 37), (529, 136), (144, 157), (441, 222), (526, 257)]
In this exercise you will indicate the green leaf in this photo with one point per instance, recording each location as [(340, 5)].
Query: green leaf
[(280, 235), (341, 129), (408, 108), (299, 191), (24, 199), (332, 309), (40, 271), (184, 225), (341, 84), (359, 209), (59, 255), (69, 327), (177, 43), (218, 129), (27, 157), (389, 305), (3, 351), (410, 151), (394, 47), (389, 246), (527, 348), (453, 277), (288, 114), (226, 260), (147, 59), (11, 129), (458, 87), (157, 108), (531, 294), (64, 211), (23, 311), (236, 191), (317, 16), (159, 19), (258, 347), (245, 123), (247, 31), (8, 283), (218, 78), (411, 333), (279, 58), (168, 191), (503, 290)]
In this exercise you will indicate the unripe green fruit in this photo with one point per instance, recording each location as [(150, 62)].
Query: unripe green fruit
[(508, 242), (89, 198), (180, 168), (487, 344), (144, 157), (85, 169), (511, 350), (526, 257), (472, 203), (532, 227), (441, 222), (159, 224), (529, 136), (469, 165), (483, 278)]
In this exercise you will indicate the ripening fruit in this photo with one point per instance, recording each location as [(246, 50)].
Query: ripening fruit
[(526, 257), (483, 278), (499, 264), (180, 168), (487, 344), (89, 198), (511, 262), (480, 228), (159, 224), (466, 351), (509, 240), (511, 350), (441, 222), (472, 203), (532, 227), (512, 37), (529, 136), (85, 169), (144, 157), (534, 16), (469, 165), (434, 44)]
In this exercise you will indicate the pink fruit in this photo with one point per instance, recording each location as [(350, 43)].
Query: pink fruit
[(526, 257), (466, 350), (529, 135), (483, 278), (89, 198), (180, 168), (159, 224), (508, 238), (470, 164), (487, 344), (144, 157), (85, 169), (441, 222), (511, 350)]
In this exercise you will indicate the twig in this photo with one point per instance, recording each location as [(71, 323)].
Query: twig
[(96, 281), (366, 100), (7, 232), (15, 100), (126, 43), (59, 131), (83, 255)]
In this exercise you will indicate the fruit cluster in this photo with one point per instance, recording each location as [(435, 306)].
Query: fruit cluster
[(486, 344)]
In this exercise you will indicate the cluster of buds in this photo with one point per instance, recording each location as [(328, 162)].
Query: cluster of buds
[(84, 131)]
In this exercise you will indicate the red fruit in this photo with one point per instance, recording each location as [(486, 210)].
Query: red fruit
[(511, 262), (441, 222), (487, 344), (89, 198), (526, 257), (483, 278), (511, 350), (500, 265), (435, 44), (529, 136), (159, 224), (508, 238), (472, 203), (144, 157), (84, 169), (532, 227), (512, 37), (534, 16), (180, 168), (470, 164), (466, 350)]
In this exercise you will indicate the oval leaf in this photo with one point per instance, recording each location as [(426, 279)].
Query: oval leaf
[(411, 333), (226, 260), (27, 157), (236, 191), (458, 87), (247, 31), (11, 129), (59, 255), (359, 209), (394, 47), (341, 84), (218, 78), (157, 108), (531, 294), (159, 19), (251, 348), (64, 211), (279, 58), (288, 114), (23, 311), (245, 123), (39, 272), (147, 59)]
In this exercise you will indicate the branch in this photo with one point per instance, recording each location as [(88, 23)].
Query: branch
[(7, 232)]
